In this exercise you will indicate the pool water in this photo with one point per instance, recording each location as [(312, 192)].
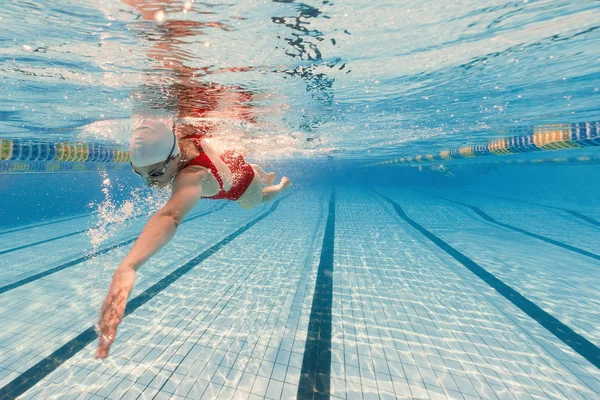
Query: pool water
[(355, 291), (439, 241)]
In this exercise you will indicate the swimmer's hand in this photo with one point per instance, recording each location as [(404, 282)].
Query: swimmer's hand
[(113, 309)]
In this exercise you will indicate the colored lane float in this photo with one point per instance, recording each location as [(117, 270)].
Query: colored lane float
[(543, 138), (22, 155)]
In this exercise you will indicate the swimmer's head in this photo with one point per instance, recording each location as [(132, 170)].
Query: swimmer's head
[(153, 148)]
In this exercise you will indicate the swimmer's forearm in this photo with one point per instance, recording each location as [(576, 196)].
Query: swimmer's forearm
[(122, 282), (158, 232)]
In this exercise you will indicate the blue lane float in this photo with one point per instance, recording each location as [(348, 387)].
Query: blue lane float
[(24, 155), (541, 138)]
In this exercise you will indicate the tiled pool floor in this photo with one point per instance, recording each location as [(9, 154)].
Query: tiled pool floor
[(357, 295)]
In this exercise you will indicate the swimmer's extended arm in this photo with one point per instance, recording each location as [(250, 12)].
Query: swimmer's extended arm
[(187, 190)]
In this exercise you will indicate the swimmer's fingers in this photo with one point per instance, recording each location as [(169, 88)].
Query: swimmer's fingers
[(106, 336), (103, 348), (107, 329), (110, 317)]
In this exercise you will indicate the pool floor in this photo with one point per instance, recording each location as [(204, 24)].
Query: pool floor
[(341, 293)]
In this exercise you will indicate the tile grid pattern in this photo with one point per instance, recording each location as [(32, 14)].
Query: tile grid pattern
[(571, 279), (408, 321), (52, 321), (442, 350), (265, 345), (562, 363)]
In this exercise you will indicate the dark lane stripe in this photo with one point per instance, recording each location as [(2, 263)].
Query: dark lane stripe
[(39, 371), (583, 217), (61, 237), (43, 224), (66, 265), (316, 363), (58, 268), (578, 343), (572, 212), (489, 218), (534, 235), (41, 242)]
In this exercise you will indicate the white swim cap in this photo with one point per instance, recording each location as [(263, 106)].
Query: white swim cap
[(151, 143)]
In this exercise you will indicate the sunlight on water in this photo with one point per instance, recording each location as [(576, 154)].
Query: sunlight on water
[(309, 78)]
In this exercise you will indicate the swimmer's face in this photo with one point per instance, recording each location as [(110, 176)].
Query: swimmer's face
[(160, 174)]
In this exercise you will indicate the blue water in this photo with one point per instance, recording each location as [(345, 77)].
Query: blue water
[(439, 241)]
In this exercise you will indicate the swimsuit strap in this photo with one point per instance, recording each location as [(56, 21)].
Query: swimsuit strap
[(243, 172), (202, 160)]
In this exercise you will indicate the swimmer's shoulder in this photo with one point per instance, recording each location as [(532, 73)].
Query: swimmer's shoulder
[(193, 175), (195, 170)]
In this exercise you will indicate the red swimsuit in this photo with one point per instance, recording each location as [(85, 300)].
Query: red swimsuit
[(241, 170)]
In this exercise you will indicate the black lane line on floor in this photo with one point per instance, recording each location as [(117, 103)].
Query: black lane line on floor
[(226, 294), (316, 363), (58, 237), (587, 219), (578, 343), (43, 224), (42, 241), (572, 212), (39, 371), (71, 263), (488, 218)]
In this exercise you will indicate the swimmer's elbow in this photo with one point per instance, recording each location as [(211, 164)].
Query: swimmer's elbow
[(171, 217), (174, 223), (176, 220)]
